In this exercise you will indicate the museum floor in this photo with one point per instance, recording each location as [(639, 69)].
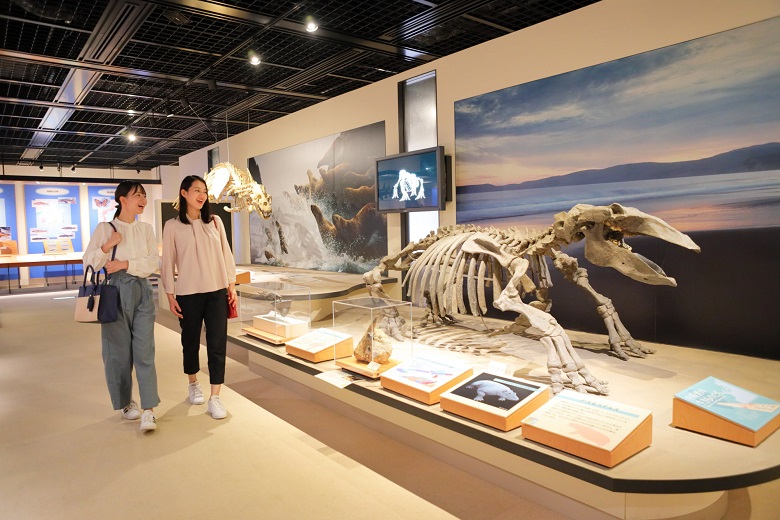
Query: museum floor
[(65, 454)]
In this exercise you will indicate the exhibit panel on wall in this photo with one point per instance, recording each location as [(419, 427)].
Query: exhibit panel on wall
[(9, 240), (52, 214), (324, 215), (689, 133)]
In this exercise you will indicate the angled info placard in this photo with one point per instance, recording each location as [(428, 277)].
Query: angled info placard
[(496, 400), (424, 379), (597, 429), (726, 411), (320, 345)]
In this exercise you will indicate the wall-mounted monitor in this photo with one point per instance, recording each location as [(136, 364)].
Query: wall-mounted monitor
[(411, 181)]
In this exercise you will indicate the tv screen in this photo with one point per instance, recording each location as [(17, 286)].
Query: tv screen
[(412, 181)]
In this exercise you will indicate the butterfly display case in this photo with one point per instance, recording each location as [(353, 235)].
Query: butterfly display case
[(274, 311)]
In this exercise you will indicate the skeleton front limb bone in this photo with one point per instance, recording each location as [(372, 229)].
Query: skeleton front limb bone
[(562, 359), (619, 336)]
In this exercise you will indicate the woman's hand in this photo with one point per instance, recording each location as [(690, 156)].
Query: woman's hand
[(113, 240), (231, 294), (113, 266), (174, 305)]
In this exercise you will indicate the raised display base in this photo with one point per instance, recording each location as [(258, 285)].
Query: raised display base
[(690, 417), (320, 345), (363, 368), (266, 336)]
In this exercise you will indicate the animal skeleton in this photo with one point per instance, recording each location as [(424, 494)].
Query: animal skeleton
[(226, 180), (440, 263), (410, 184)]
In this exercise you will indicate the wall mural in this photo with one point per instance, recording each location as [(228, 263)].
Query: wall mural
[(689, 133), (324, 215)]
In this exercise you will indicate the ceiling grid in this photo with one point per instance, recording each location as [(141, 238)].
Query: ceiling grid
[(189, 59)]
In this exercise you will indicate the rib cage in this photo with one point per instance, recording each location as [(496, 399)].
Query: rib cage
[(441, 269)]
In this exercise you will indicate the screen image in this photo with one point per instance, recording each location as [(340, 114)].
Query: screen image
[(410, 181)]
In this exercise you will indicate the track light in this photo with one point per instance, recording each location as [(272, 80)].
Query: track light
[(254, 58), (41, 166), (73, 167), (130, 135), (168, 112), (311, 24), (185, 103), (138, 171)]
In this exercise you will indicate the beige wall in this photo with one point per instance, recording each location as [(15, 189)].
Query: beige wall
[(602, 32)]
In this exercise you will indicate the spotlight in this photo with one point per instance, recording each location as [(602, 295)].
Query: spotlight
[(138, 171), (254, 58), (131, 135), (73, 167), (41, 166), (311, 25), (212, 84), (168, 112), (185, 103)]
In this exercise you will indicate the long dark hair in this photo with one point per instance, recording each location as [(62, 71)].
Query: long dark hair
[(124, 189), (205, 212)]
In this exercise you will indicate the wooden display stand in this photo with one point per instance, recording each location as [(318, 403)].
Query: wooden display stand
[(363, 368), (423, 380), (710, 407), (320, 345), (284, 327), (243, 277), (487, 406), (276, 331), (590, 427)]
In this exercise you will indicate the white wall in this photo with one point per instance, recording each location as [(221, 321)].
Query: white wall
[(608, 30)]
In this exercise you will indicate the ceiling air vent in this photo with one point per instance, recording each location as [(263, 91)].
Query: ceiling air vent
[(119, 23)]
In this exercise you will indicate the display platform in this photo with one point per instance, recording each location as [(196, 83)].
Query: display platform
[(682, 473), (324, 286)]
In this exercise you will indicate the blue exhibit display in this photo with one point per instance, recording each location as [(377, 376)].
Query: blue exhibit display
[(102, 205), (8, 223), (52, 214), (412, 181)]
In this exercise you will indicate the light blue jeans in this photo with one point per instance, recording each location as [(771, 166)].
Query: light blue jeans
[(129, 342)]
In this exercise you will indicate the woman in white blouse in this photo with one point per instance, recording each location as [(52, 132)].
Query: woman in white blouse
[(199, 276), (129, 341)]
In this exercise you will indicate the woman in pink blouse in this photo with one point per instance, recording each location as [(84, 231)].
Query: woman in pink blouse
[(199, 276)]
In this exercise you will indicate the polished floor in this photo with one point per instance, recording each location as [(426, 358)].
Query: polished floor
[(64, 454)]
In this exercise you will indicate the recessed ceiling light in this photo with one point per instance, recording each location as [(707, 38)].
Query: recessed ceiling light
[(311, 24)]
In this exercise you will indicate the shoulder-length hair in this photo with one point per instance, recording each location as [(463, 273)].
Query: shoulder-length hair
[(186, 184), (125, 189)]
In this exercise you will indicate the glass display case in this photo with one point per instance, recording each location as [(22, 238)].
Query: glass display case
[(274, 311), (381, 331)]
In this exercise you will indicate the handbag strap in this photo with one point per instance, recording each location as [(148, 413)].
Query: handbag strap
[(113, 255)]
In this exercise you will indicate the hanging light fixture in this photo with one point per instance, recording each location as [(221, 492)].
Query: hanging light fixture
[(311, 24), (131, 134), (254, 58)]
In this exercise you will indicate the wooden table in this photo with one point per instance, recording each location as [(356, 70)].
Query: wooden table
[(40, 260)]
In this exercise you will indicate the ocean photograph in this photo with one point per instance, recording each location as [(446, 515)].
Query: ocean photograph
[(689, 133)]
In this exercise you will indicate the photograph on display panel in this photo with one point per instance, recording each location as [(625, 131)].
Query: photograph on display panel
[(688, 133), (324, 214)]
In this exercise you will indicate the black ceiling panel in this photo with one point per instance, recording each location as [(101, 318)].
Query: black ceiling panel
[(176, 72)]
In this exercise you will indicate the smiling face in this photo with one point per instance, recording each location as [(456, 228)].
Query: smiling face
[(133, 203), (196, 196)]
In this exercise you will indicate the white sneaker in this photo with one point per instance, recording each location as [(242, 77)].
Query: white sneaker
[(216, 409), (131, 412), (148, 421), (196, 394)]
